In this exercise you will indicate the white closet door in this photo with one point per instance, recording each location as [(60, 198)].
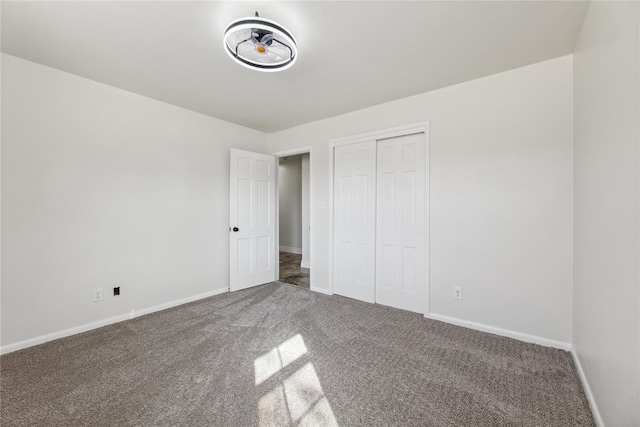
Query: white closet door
[(252, 214), (354, 209), (401, 223)]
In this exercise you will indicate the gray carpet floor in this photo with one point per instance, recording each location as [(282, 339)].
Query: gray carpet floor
[(281, 355)]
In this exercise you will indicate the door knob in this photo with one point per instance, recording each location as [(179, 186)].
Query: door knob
[(236, 229)]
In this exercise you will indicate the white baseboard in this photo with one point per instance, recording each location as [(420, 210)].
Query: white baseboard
[(104, 322), (305, 264), (534, 339), (321, 290), (291, 250), (178, 302), (61, 334), (587, 390)]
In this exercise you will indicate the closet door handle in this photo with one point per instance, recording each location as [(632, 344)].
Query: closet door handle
[(235, 229)]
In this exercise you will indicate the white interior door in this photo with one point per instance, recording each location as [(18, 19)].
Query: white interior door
[(401, 222), (354, 220), (252, 219)]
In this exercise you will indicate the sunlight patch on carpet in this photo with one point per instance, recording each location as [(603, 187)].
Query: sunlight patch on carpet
[(299, 399), (270, 363)]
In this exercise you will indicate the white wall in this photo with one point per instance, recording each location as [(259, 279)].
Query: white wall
[(606, 265), (501, 194), (102, 187), (306, 212), (290, 203)]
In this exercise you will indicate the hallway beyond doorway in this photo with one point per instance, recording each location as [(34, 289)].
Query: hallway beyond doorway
[(291, 272)]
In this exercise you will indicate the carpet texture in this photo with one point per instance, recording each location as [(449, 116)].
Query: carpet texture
[(281, 355)]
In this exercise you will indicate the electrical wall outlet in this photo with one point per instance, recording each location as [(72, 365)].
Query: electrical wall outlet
[(457, 292), (97, 295)]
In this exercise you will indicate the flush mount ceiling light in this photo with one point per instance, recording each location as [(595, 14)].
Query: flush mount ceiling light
[(260, 44)]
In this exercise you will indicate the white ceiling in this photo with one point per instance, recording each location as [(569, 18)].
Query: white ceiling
[(352, 54)]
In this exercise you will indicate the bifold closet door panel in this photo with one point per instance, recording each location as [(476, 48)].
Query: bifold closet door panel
[(354, 222), (401, 222)]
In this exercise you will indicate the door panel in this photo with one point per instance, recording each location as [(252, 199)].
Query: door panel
[(354, 220), (252, 212), (400, 229)]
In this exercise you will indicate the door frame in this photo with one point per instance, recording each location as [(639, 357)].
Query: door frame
[(421, 127), (292, 152)]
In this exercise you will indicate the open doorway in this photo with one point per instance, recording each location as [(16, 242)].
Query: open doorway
[(294, 219)]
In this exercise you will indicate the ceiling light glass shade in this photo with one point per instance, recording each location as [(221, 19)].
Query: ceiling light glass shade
[(260, 44)]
